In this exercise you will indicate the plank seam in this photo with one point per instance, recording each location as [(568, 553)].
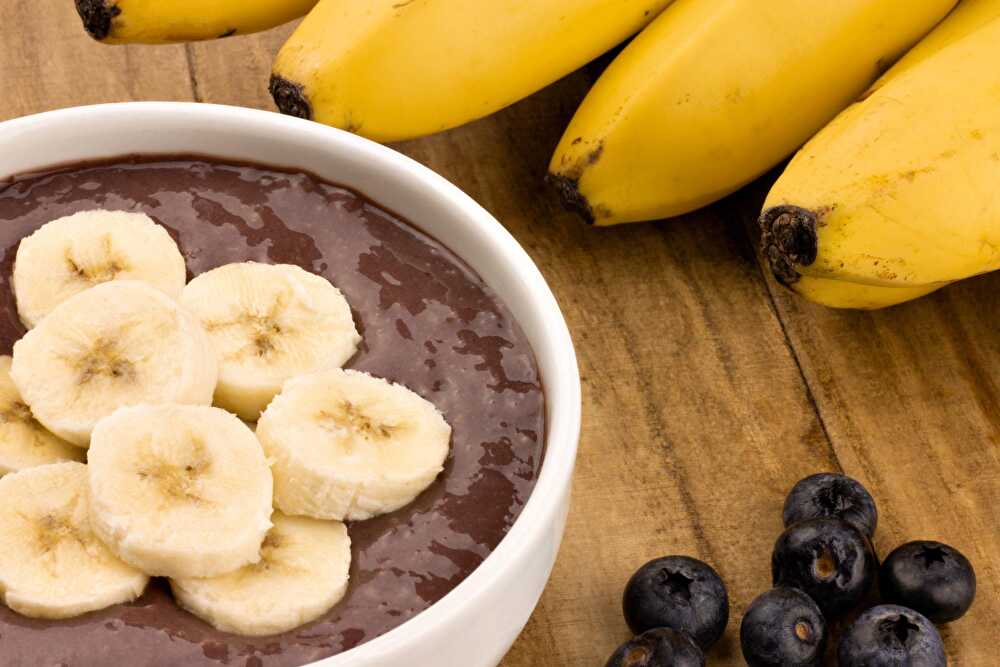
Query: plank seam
[(192, 74), (810, 396), (802, 374)]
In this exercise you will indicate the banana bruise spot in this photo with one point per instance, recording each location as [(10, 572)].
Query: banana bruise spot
[(101, 272), (350, 416), (290, 97), (17, 412), (788, 240), (104, 359), (178, 481), (265, 330), (273, 542), (53, 530), (97, 16), (270, 560)]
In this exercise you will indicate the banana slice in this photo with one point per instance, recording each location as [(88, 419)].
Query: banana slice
[(302, 574), (179, 490), (66, 256), (346, 445), (269, 323), (24, 443), (120, 343), (51, 563)]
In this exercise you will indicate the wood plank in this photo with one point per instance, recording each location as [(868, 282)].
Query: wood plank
[(47, 61), (911, 400)]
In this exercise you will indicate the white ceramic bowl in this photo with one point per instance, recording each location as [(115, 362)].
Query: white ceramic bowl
[(475, 624)]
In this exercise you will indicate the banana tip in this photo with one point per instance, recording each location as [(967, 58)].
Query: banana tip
[(574, 200), (788, 240), (96, 16), (290, 97)]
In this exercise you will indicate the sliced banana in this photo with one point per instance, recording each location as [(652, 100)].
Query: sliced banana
[(25, 443), (179, 490), (348, 446), (119, 343), (269, 322), (66, 256), (302, 574), (51, 563)]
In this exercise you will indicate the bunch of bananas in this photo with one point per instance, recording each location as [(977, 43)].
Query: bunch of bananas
[(890, 201)]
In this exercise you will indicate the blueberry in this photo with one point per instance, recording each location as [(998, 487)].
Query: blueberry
[(783, 628), (891, 636), (660, 647), (827, 559), (931, 578), (680, 593), (832, 496)]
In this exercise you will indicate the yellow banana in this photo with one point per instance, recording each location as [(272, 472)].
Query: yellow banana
[(968, 16), (716, 92), (169, 21), (843, 294), (899, 191), (398, 69)]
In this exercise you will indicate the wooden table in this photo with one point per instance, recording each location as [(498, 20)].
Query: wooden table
[(708, 389)]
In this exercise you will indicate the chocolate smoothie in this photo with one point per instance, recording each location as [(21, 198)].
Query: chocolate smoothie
[(428, 322)]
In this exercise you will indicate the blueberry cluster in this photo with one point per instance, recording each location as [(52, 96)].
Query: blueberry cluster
[(824, 565)]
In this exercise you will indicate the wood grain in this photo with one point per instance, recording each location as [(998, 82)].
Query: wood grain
[(708, 389), (48, 62)]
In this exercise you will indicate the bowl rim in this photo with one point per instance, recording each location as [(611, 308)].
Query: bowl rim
[(562, 383)]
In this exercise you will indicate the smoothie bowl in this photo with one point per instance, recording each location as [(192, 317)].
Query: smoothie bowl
[(439, 554)]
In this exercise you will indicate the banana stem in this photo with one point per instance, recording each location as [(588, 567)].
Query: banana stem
[(97, 16), (789, 240), (290, 98), (571, 197)]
